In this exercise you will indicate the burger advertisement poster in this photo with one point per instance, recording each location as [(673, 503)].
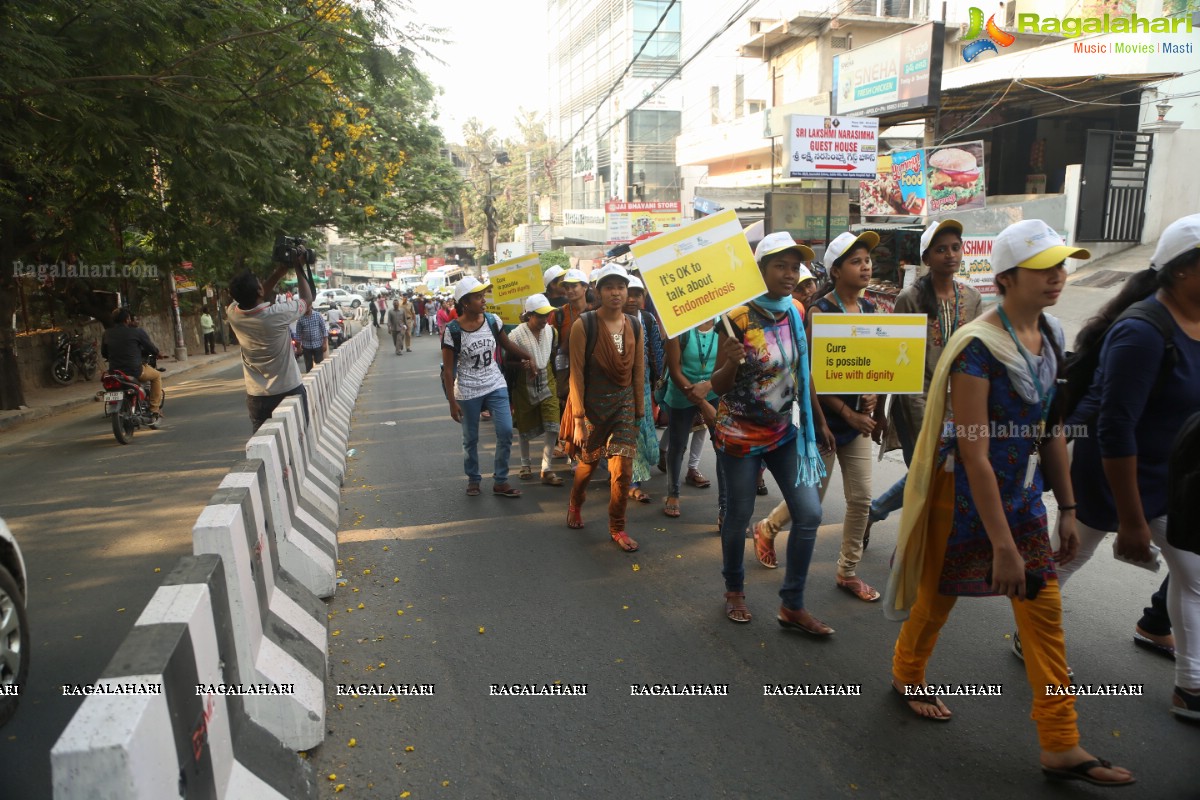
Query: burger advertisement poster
[(955, 177)]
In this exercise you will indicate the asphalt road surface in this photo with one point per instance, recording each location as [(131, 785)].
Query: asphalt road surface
[(464, 593)]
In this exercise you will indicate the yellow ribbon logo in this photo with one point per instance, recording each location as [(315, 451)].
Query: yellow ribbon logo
[(734, 261), (903, 357)]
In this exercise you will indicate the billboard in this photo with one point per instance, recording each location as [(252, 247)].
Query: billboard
[(899, 73), (824, 148), (899, 190), (631, 222)]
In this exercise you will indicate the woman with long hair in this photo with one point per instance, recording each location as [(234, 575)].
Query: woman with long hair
[(652, 357), (761, 373), (973, 522), (691, 358), (1146, 387)]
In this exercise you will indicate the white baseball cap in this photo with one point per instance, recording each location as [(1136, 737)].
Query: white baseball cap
[(937, 227), (538, 304), (778, 242), (846, 241), (468, 286), (612, 271), (636, 283), (549, 275), (1031, 244), (1180, 236), (574, 276), (805, 275)]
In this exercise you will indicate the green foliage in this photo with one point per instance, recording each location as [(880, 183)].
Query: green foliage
[(554, 258)]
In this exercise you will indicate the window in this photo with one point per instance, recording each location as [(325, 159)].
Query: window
[(714, 104), (654, 127), (739, 95), (664, 45)]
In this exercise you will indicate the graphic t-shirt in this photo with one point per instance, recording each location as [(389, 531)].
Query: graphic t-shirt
[(477, 373)]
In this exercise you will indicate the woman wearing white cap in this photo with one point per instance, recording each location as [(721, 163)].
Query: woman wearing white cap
[(535, 395), (948, 305), (606, 400), (652, 355), (574, 287), (761, 373), (973, 522), (853, 419), (1145, 389), (552, 281)]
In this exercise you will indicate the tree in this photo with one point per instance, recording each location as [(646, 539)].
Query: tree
[(155, 131)]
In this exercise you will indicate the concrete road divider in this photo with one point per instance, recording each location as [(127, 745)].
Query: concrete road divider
[(316, 486), (161, 722), (274, 642)]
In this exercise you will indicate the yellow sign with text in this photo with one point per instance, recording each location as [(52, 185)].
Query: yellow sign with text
[(868, 353), (509, 313), (514, 280), (698, 271)]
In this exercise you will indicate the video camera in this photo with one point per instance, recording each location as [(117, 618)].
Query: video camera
[(290, 251)]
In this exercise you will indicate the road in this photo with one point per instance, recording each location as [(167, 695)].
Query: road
[(97, 522), (499, 591)]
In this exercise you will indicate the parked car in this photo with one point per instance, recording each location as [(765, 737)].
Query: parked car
[(14, 624), (328, 298)]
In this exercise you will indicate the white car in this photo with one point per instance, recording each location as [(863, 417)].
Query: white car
[(328, 298), (14, 624)]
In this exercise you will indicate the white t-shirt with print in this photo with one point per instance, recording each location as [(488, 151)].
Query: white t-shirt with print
[(478, 373)]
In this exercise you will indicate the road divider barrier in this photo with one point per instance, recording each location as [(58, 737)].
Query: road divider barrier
[(235, 640)]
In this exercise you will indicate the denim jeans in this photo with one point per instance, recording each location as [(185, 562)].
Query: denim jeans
[(496, 402), (893, 498), (679, 431), (741, 477)]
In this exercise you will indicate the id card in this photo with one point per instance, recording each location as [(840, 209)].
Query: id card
[(1030, 470), (562, 361)]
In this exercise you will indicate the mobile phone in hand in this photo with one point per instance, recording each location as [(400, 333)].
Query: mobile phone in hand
[(1033, 583)]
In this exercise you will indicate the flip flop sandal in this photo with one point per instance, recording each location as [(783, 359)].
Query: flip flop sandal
[(472, 490), (922, 699), (504, 490), (694, 478), (550, 479), (671, 507), (735, 603), (857, 587), (1079, 772), (787, 620), (1146, 643), (623, 541), (764, 548), (574, 520)]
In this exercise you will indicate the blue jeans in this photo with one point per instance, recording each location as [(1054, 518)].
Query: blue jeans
[(741, 477), (679, 434), (893, 498), (496, 402)]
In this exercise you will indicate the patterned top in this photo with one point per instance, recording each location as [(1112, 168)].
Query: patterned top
[(969, 551), (755, 416)]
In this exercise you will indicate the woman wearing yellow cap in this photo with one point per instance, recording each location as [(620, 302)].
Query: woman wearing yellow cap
[(973, 521)]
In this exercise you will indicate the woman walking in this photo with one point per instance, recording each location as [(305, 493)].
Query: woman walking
[(473, 382), (605, 400), (691, 358), (1146, 387), (762, 370), (652, 357), (973, 522), (535, 395)]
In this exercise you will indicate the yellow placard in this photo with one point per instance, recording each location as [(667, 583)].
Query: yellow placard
[(868, 353), (515, 279), (509, 313), (699, 271)]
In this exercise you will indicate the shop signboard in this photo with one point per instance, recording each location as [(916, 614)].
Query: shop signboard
[(900, 188), (899, 73), (184, 283), (955, 177), (583, 216), (631, 222), (825, 148), (975, 269), (583, 161)]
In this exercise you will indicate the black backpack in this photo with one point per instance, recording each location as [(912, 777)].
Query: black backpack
[(455, 330), (1183, 487), (1082, 366)]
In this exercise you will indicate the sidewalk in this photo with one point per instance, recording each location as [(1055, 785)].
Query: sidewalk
[(1087, 290), (46, 401)]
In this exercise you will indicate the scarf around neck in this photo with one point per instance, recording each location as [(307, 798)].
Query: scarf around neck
[(616, 365)]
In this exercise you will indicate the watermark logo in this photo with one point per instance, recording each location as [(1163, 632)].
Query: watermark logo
[(994, 36)]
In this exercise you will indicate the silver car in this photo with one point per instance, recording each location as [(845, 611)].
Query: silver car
[(14, 624)]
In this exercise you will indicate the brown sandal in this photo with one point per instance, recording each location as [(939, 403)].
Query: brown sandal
[(574, 520), (637, 494), (801, 620), (623, 541), (764, 547), (695, 478), (550, 479), (671, 507), (472, 490), (859, 588), (735, 604)]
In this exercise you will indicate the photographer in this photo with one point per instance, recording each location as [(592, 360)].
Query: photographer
[(268, 363)]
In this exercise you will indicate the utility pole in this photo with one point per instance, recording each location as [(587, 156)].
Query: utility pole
[(528, 191)]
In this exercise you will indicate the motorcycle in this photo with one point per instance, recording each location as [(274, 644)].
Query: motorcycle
[(74, 354), (336, 336), (127, 403)]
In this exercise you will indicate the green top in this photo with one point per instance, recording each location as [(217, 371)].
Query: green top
[(697, 360)]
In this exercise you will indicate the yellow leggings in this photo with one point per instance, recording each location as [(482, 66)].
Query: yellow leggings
[(1039, 623)]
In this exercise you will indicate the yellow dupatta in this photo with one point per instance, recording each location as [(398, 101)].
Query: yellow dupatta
[(915, 528)]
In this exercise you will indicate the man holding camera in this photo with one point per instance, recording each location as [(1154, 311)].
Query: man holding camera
[(262, 328)]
